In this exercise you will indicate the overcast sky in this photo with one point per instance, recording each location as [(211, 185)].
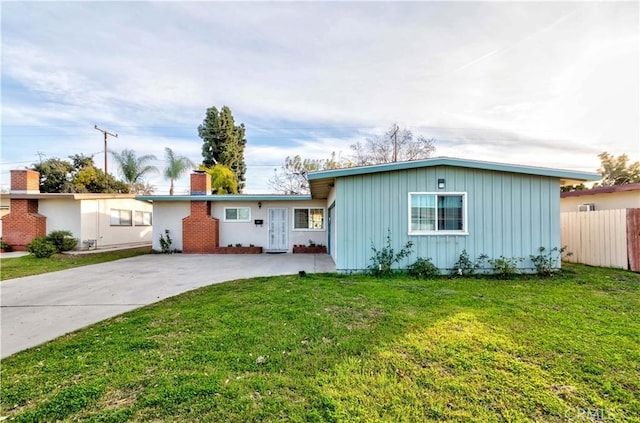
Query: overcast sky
[(543, 84)]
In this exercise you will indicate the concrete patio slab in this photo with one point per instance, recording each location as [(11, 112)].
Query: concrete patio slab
[(36, 309)]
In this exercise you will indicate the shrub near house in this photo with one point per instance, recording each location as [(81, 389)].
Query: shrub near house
[(55, 242)]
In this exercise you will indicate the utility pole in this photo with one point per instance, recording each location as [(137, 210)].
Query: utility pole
[(40, 154), (395, 142), (106, 133)]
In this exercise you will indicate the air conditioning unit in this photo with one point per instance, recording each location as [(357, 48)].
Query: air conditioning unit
[(586, 207)]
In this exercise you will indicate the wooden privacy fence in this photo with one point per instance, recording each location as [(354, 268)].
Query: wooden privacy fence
[(608, 238)]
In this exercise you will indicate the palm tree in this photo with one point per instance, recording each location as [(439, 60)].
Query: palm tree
[(133, 168), (176, 167)]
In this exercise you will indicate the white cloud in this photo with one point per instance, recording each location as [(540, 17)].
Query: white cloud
[(519, 82)]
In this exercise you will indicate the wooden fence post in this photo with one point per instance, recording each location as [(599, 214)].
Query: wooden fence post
[(633, 239)]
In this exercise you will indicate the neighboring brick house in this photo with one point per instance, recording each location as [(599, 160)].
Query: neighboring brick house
[(96, 220)]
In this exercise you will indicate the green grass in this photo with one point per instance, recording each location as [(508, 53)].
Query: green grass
[(17, 267), (350, 348)]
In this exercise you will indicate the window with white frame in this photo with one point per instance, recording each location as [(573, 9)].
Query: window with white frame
[(237, 214), (437, 213), (142, 218), (120, 217), (308, 219)]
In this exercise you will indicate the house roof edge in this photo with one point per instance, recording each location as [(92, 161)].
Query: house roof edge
[(450, 161)]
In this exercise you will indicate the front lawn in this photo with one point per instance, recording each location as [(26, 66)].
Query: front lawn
[(350, 348), (17, 267)]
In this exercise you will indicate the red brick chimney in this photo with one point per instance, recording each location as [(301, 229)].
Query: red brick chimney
[(200, 183), (23, 223), (25, 182), (200, 231)]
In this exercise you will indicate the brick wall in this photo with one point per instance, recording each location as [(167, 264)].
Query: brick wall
[(200, 183), (200, 231), (23, 223), (25, 181)]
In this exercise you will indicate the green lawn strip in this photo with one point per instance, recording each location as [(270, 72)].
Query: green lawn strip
[(349, 348), (18, 267)]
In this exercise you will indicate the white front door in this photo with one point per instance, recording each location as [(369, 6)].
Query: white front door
[(278, 229)]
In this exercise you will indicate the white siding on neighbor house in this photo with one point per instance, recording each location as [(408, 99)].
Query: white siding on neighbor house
[(62, 215), (96, 222), (246, 233), (604, 201), (169, 215)]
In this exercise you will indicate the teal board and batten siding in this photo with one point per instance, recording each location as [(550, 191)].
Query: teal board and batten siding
[(509, 215)]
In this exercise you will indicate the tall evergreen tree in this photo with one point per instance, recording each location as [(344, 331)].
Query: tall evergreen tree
[(223, 142)]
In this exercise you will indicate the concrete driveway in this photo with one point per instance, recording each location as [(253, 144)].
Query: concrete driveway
[(39, 308)]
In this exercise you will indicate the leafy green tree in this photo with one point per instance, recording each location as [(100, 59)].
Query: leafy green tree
[(90, 179), (292, 178), (132, 167), (617, 170), (223, 180), (79, 175), (55, 175), (223, 142), (176, 166), (396, 145), (86, 177), (80, 161)]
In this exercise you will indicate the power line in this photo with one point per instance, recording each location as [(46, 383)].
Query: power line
[(31, 161)]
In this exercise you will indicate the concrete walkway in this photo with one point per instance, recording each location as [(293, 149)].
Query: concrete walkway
[(39, 308), (13, 254)]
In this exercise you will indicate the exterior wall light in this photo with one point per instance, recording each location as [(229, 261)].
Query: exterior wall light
[(441, 184), (259, 204)]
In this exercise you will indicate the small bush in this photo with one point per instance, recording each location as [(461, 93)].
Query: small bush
[(62, 240), (41, 247), (546, 264), (465, 267), (165, 242), (423, 268), (383, 260), (6, 247), (505, 267)]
